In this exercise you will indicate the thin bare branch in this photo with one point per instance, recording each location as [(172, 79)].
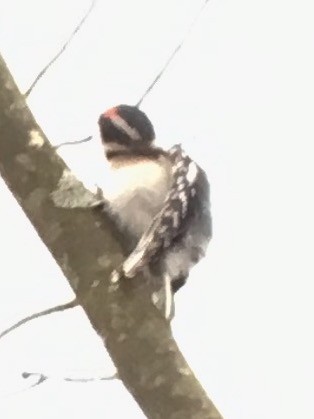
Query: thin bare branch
[(54, 59), (61, 307), (173, 54), (84, 140), (41, 378)]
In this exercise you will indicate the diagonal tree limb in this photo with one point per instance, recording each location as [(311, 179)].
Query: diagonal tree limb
[(87, 247)]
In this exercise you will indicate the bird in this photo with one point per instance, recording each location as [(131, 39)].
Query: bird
[(159, 197)]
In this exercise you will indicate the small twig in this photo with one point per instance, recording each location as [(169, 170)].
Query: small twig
[(173, 54), (61, 307), (84, 140), (54, 59), (42, 378)]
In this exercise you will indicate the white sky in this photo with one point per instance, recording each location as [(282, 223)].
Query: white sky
[(240, 96)]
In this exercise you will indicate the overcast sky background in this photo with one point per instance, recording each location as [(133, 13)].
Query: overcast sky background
[(240, 97)]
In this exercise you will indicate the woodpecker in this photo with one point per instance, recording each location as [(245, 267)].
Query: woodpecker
[(160, 198)]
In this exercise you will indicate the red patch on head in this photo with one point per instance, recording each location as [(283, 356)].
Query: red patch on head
[(111, 113)]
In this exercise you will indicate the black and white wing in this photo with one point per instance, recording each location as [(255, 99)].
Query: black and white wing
[(186, 203)]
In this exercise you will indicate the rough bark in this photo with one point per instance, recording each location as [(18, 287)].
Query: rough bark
[(87, 247)]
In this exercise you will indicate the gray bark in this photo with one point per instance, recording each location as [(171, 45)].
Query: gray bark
[(87, 247)]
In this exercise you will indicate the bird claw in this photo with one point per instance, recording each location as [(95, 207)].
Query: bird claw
[(121, 272)]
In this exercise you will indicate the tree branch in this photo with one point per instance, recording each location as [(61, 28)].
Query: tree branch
[(41, 378), (59, 53), (87, 248)]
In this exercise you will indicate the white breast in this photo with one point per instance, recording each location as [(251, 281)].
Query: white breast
[(136, 191)]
